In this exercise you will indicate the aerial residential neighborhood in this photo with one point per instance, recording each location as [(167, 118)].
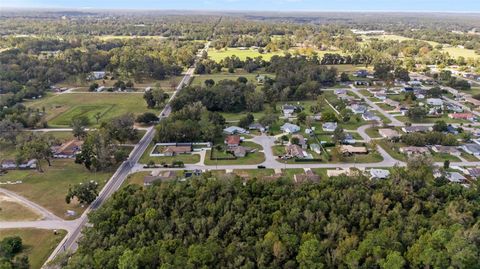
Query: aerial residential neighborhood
[(143, 135)]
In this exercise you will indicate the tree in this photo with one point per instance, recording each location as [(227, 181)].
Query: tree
[(416, 113), (85, 193), (246, 121), (440, 126), (338, 135), (344, 77), (446, 164), (10, 246), (155, 97), (93, 87), (78, 126), (147, 118), (329, 116), (97, 116), (121, 128), (209, 82), (301, 117), (36, 146), (10, 130), (295, 140), (382, 70), (308, 257), (128, 260), (97, 151), (401, 74)]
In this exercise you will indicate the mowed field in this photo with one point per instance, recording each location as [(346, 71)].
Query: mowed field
[(49, 188), (454, 52), (218, 55), (37, 243), (12, 210), (61, 109)]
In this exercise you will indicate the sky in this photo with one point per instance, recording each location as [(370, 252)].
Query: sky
[(260, 5)]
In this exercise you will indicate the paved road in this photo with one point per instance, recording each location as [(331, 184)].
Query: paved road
[(45, 213), (70, 241), (394, 121)]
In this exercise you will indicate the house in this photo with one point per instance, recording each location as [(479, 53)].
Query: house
[(388, 133), (379, 173), (301, 141), (295, 151), (408, 89), (175, 150), (361, 83), (290, 128), (315, 148), (100, 89), (454, 108), (446, 150), (348, 139), (240, 151), (369, 116), (329, 126), (391, 102), (361, 73), (415, 83), (30, 164), (308, 176), (9, 164), (232, 141), (416, 129), (451, 130), (474, 172), (358, 109), (434, 101), (97, 75), (462, 116), (340, 92), (260, 79), (414, 150), (234, 130), (288, 110), (350, 150), (455, 177), (257, 126), (159, 175), (472, 148), (68, 149), (419, 96), (380, 95)]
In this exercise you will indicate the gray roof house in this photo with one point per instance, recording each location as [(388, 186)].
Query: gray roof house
[(379, 173), (234, 130), (290, 128), (369, 116), (329, 126), (473, 149)]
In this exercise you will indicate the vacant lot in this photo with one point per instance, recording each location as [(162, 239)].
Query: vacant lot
[(37, 243), (218, 55), (13, 210), (61, 109), (49, 188)]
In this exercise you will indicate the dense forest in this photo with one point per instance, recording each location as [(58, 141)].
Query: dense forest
[(409, 221)]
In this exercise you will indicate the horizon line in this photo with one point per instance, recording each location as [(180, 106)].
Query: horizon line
[(229, 10)]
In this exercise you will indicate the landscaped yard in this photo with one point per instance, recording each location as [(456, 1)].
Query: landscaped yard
[(13, 210), (38, 243), (185, 158), (251, 77), (49, 188), (251, 158), (61, 109)]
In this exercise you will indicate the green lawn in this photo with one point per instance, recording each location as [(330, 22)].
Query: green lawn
[(254, 173), (50, 187), (185, 158), (200, 79), (444, 117), (218, 55), (393, 149), (251, 158), (61, 109), (38, 243), (373, 132)]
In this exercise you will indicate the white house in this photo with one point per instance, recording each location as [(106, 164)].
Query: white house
[(290, 128), (329, 126), (369, 116), (358, 109), (234, 130), (379, 173), (435, 101), (288, 110)]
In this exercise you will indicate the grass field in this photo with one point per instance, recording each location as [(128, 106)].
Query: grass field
[(61, 109), (49, 188), (13, 210), (454, 52), (38, 243), (218, 55)]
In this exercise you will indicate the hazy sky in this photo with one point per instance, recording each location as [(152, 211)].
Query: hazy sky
[(273, 5)]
